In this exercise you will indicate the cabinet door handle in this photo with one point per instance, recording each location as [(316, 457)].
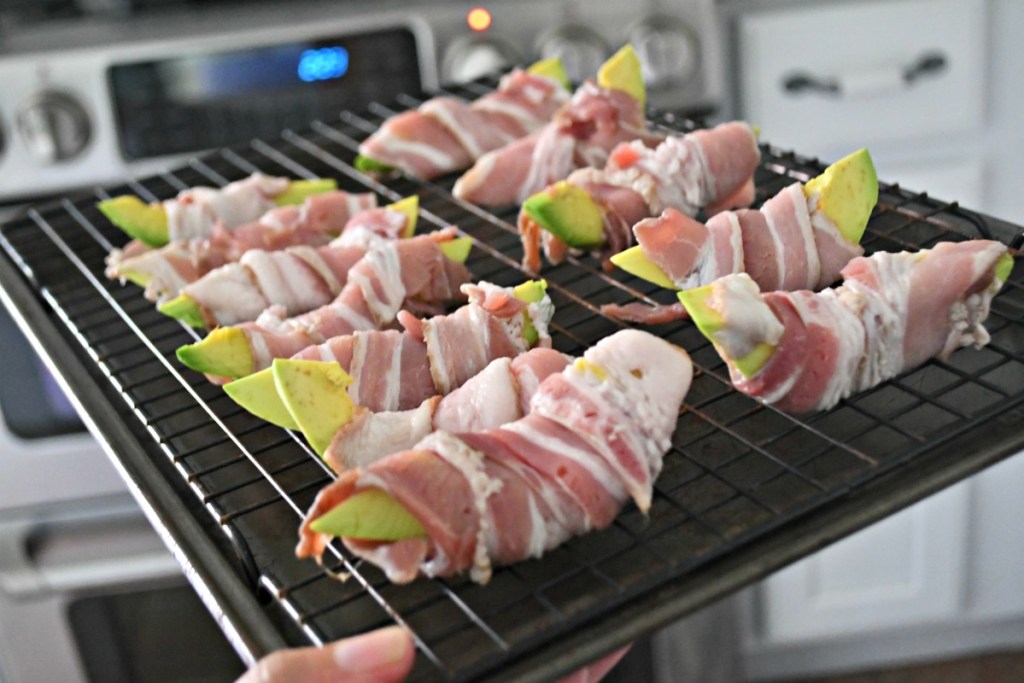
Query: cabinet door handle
[(928, 64)]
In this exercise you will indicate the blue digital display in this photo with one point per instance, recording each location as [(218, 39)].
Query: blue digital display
[(323, 64), (208, 99)]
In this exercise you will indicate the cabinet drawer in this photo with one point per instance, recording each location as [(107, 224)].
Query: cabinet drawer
[(856, 73)]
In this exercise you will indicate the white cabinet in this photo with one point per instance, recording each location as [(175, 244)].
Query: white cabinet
[(823, 74), (909, 79), (906, 570), (823, 78), (938, 580)]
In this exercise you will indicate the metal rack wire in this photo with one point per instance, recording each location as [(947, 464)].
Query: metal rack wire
[(739, 474)]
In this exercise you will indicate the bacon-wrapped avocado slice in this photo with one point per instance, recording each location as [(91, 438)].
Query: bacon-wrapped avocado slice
[(148, 222), (549, 68), (261, 394), (846, 192), (189, 311), (225, 351), (372, 514)]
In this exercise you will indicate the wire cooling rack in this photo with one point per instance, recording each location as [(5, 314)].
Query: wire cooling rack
[(745, 488)]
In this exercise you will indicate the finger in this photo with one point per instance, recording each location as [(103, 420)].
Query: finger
[(382, 656), (597, 670)]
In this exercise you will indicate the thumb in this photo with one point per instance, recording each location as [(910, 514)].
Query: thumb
[(382, 656)]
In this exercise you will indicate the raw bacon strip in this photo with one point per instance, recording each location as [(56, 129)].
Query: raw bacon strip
[(710, 170), (195, 211), (299, 278), (447, 134), (582, 134), (376, 290), (498, 394), (644, 314), (406, 273), (893, 312), (775, 245), (514, 492), (395, 371), (166, 270)]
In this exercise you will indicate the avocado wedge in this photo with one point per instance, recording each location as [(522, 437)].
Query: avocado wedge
[(223, 353), (551, 68), (623, 72), (139, 220), (635, 262), (410, 206), (370, 514), (299, 191), (846, 192), (458, 249), (257, 393), (148, 222), (531, 292), (711, 322), (569, 213), (185, 309), (316, 395)]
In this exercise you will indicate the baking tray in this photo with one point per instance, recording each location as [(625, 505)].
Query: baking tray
[(745, 489)]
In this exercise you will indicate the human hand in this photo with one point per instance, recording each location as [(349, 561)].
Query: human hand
[(382, 656)]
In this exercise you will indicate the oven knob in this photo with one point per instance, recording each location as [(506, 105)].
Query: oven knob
[(580, 48), (55, 127), (669, 50), (472, 57)]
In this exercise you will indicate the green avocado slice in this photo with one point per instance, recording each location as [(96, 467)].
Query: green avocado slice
[(457, 249), (710, 323), (623, 72), (371, 166), (139, 220), (299, 191), (257, 393), (1004, 266), (569, 213), (370, 514), (531, 292), (635, 262), (184, 308), (551, 68), (846, 192), (410, 206), (315, 394), (224, 352), (136, 277)]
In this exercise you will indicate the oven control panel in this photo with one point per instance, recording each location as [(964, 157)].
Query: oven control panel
[(108, 97)]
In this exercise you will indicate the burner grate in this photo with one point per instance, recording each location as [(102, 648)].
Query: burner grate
[(744, 489)]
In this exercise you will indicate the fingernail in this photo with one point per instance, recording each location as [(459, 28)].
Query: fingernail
[(371, 650)]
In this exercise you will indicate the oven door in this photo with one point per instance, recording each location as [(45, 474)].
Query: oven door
[(46, 454), (82, 573)]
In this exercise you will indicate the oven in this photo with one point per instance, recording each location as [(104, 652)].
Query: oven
[(79, 562), (127, 87)]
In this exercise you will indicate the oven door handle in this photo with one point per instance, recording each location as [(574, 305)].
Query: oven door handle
[(23, 576)]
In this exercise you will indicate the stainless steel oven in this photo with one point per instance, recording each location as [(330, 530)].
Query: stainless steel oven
[(94, 97), (80, 566)]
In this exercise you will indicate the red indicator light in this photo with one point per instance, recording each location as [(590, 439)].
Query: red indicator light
[(479, 19)]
